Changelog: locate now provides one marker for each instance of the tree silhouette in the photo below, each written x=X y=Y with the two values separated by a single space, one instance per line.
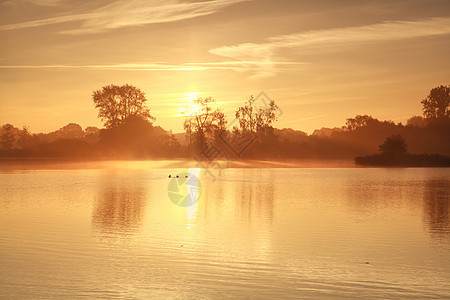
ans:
x=360 y=121
x=437 y=103
x=416 y=121
x=253 y=119
x=25 y=138
x=266 y=116
x=118 y=103
x=204 y=122
x=70 y=131
x=394 y=145
x=246 y=116
x=8 y=136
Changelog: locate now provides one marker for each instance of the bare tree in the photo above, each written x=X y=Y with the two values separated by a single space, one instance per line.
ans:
x=203 y=123
x=252 y=119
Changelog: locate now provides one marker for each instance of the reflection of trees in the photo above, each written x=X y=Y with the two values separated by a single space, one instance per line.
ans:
x=256 y=200
x=119 y=206
x=436 y=205
x=253 y=200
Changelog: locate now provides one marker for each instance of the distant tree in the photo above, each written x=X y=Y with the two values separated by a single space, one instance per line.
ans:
x=118 y=103
x=70 y=131
x=247 y=116
x=91 y=130
x=394 y=145
x=266 y=117
x=135 y=138
x=437 y=103
x=173 y=141
x=204 y=122
x=416 y=121
x=8 y=136
x=173 y=146
x=25 y=138
x=253 y=119
x=360 y=121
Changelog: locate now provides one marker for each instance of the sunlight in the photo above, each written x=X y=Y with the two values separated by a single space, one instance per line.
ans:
x=189 y=107
x=194 y=194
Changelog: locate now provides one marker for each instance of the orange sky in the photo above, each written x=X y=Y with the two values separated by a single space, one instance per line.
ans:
x=321 y=61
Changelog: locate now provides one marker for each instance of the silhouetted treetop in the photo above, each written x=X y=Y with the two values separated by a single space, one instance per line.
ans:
x=202 y=123
x=360 y=121
x=8 y=136
x=437 y=103
x=70 y=131
x=253 y=119
x=118 y=103
x=416 y=121
x=394 y=144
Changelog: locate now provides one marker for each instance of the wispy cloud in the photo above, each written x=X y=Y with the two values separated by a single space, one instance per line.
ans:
x=34 y=2
x=239 y=66
x=123 y=67
x=124 y=13
x=331 y=40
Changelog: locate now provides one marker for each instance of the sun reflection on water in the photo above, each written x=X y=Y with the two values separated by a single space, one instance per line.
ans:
x=195 y=193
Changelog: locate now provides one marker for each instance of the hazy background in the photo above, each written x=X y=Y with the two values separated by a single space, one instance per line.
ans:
x=322 y=61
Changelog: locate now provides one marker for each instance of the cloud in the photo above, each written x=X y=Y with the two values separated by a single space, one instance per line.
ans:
x=46 y=2
x=239 y=66
x=43 y=22
x=33 y=2
x=333 y=39
x=124 y=67
x=125 y=13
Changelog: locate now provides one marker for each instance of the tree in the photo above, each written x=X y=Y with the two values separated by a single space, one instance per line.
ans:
x=91 y=130
x=118 y=103
x=172 y=145
x=394 y=145
x=204 y=122
x=70 y=131
x=437 y=103
x=8 y=136
x=360 y=121
x=247 y=116
x=416 y=121
x=135 y=138
x=253 y=119
x=25 y=138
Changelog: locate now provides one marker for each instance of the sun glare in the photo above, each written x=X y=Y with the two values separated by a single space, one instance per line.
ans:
x=189 y=107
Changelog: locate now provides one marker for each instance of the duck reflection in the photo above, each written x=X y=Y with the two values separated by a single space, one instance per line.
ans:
x=119 y=206
x=436 y=206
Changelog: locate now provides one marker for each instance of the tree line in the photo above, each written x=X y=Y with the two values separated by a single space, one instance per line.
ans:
x=129 y=132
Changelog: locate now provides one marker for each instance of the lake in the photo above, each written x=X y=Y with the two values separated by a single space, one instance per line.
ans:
x=114 y=231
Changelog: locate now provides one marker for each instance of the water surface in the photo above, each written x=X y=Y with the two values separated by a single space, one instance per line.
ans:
x=112 y=232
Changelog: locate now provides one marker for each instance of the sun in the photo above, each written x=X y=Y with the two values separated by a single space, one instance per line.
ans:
x=189 y=107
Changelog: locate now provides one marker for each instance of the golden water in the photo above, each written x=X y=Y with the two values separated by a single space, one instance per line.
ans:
x=112 y=232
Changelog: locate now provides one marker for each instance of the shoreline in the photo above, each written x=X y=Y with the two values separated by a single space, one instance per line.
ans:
x=57 y=163
x=11 y=164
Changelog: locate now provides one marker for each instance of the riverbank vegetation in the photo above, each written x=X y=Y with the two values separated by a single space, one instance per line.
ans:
x=129 y=133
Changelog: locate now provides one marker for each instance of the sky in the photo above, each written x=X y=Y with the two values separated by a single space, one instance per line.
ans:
x=321 y=61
